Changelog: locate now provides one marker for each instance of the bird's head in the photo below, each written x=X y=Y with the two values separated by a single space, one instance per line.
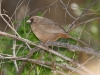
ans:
x=34 y=19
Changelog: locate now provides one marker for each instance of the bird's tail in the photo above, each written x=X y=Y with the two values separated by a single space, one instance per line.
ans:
x=78 y=40
x=64 y=35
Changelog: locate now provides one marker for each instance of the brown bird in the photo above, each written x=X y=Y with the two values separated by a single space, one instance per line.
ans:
x=46 y=29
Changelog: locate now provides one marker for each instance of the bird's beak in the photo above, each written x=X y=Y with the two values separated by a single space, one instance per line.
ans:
x=28 y=21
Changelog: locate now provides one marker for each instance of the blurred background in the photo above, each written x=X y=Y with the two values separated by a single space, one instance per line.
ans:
x=55 y=10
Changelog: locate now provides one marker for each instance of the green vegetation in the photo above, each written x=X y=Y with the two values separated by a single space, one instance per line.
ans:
x=24 y=31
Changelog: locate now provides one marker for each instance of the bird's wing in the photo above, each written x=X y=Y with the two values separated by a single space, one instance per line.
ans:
x=50 y=26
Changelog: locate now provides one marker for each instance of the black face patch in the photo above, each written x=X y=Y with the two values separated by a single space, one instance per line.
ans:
x=31 y=20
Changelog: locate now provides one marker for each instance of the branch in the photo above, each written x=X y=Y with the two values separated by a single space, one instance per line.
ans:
x=74 y=48
x=66 y=9
x=51 y=5
x=73 y=23
x=47 y=49
x=14 y=54
x=83 y=23
x=28 y=56
x=44 y=63
x=31 y=43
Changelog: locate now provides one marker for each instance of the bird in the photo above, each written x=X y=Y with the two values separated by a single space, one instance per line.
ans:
x=46 y=29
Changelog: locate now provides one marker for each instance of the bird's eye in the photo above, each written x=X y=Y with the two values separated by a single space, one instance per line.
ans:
x=31 y=20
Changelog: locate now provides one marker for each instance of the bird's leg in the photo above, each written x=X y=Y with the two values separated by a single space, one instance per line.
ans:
x=45 y=43
x=42 y=43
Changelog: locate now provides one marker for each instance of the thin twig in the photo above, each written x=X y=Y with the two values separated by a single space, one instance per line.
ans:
x=44 y=63
x=47 y=49
x=66 y=9
x=51 y=5
x=17 y=7
x=73 y=23
x=28 y=56
x=14 y=54
x=40 y=57
x=87 y=21
x=11 y=26
x=13 y=29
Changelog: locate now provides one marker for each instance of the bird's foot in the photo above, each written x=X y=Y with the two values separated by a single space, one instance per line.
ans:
x=45 y=43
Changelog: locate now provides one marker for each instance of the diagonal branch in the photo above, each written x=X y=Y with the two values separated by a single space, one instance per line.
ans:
x=73 y=23
x=83 y=23
x=74 y=48
x=44 y=63
x=28 y=56
x=47 y=49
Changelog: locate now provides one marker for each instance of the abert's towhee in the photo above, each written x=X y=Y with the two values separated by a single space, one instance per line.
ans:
x=46 y=29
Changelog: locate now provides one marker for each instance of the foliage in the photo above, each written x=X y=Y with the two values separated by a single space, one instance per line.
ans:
x=24 y=31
